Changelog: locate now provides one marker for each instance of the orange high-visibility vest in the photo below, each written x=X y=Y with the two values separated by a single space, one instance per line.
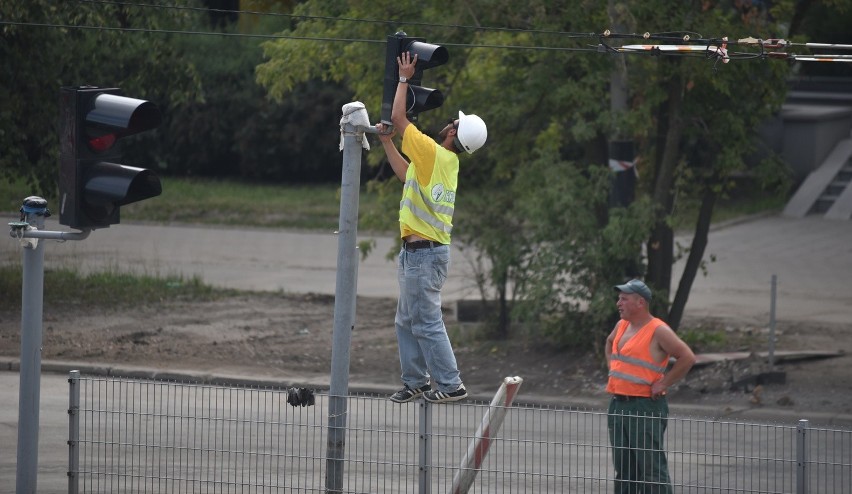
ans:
x=632 y=370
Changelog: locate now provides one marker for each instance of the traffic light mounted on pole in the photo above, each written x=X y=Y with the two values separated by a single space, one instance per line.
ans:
x=93 y=183
x=419 y=98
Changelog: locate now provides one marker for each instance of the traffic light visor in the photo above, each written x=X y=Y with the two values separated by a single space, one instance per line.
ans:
x=420 y=99
x=111 y=183
x=121 y=115
x=428 y=55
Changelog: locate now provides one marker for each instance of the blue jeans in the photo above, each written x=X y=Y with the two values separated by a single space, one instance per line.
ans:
x=424 y=347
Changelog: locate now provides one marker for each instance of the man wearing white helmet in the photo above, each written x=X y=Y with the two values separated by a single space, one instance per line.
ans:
x=425 y=221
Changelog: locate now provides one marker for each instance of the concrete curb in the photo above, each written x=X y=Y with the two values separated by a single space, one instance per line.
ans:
x=746 y=414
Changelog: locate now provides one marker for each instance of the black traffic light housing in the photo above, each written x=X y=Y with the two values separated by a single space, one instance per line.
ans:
x=419 y=98
x=93 y=183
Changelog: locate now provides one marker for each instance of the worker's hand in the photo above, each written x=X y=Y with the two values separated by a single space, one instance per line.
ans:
x=406 y=64
x=658 y=389
x=386 y=132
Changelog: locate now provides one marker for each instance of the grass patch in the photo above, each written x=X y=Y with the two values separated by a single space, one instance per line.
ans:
x=223 y=202
x=12 y=194
x=66 y=287
x=312 y=207
x=317 y=206
x=705 y=340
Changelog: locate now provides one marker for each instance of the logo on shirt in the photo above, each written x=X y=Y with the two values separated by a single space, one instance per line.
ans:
x=439 y=194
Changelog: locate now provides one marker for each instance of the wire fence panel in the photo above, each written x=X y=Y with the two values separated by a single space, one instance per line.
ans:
x=144 y=436
x=149 y=436
x=828 y=460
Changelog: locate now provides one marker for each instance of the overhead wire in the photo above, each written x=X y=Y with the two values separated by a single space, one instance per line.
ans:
x=346 y=19
x=280 y=36
x=688 y=46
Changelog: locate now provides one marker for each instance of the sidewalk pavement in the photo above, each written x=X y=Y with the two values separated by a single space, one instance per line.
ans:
x=811 y=257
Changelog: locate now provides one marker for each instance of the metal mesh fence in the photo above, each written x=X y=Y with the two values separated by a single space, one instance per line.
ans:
x=129 y=435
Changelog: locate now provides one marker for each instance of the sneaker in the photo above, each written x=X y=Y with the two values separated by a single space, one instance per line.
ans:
x=442 y=397
x=407 y=394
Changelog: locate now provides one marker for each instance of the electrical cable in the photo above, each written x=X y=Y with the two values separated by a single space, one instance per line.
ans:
x=711 y=47
x=346 y=19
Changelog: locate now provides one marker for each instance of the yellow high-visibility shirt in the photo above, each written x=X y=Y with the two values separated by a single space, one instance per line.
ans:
x=429 y=194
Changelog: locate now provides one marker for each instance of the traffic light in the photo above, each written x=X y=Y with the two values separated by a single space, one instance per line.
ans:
x=419 y=98
x=93 y=183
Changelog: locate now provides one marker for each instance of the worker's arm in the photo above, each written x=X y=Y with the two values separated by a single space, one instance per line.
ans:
x=397 y=162
x=406 y=69
x=609 y=341
x=672 y=345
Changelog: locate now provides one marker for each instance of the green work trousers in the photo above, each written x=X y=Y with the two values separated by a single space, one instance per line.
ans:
x=636 y=427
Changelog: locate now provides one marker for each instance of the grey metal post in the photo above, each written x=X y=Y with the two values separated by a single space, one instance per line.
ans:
x=33 y=212
x=424 y=474
x=772 y=298
x=28 y=231
x=73 y=432
x=802 y=457
x=344 y=305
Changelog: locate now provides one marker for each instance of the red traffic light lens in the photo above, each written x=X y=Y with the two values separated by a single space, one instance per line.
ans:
x=101 y=143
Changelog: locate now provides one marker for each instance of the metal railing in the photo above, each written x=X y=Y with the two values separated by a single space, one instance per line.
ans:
x=130 y=435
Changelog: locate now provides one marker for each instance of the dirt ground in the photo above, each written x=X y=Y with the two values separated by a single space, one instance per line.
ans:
x=289 y=337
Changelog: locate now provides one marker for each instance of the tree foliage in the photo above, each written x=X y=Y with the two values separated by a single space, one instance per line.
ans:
x=195 y=64
x=546 y=237
x=236 y=130
x=549 y=246
x=45 y=52
x=704 y=132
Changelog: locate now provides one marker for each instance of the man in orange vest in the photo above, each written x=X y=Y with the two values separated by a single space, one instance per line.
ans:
x=638 y=351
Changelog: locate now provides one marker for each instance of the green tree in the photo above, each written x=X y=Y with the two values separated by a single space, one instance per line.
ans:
x=544 y=231
x=46 y=44
x=511 y=89
x=236 y=131
x=704 y=128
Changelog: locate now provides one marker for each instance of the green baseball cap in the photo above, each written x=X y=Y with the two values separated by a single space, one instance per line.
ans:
x=635 y=286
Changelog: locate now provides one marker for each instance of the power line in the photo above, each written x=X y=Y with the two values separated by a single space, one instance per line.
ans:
x=345 y=19
x=279 y=36
x=676 y=36
x=601 y=47
x=196 y=33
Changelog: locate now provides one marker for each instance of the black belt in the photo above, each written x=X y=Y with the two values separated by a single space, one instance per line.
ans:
x=420 y=244
x=628 y=398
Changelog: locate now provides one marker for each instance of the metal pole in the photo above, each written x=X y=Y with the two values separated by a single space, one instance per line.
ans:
x=772 y=298
x=74 y=432
x=33 y=212
x=424 y=474
x=801 y=457
x=344 y=305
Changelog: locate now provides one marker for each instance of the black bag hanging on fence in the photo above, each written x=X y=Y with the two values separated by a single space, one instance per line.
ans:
x=300 y=397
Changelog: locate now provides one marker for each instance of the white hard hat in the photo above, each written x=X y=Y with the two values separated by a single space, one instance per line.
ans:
x=471 y=133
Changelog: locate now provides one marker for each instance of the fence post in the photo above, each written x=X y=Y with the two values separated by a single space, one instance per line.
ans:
x=74 y=432
x=802 y=457
x=772 y=321
x=425 y=448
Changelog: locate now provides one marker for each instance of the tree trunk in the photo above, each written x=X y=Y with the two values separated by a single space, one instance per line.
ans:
x=693 y=261
x=661 y=243
x=501 y=281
